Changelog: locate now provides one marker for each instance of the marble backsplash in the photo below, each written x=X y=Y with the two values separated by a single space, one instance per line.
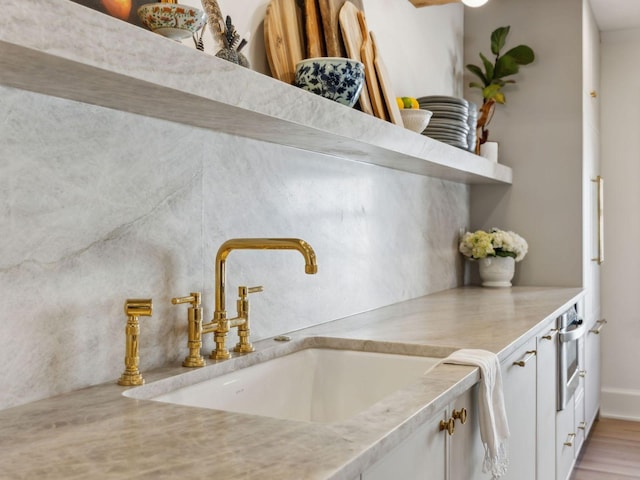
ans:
x=97 y=206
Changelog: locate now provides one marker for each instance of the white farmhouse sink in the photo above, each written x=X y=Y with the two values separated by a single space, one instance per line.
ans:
x=313 y=384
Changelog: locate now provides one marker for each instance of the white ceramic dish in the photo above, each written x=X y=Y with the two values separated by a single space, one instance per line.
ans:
x=416 y=120
x=171 y=20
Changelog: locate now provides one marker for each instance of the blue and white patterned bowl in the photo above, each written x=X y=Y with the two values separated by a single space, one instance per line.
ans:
x=335 y=78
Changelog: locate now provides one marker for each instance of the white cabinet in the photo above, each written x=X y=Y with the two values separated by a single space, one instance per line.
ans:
x=421 y=456
x=546 y=383
x=430 y=453
x=592 y=371
x=579 y=425
x=565 y=441
x=466 y=452
x=571 y=423
x=544 y=443
x=519 y=379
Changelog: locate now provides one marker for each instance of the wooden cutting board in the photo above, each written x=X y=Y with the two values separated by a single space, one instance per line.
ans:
x=371 y=78
x=352 y=36
x=283 y=38
x=313 y=29
x=385 y=86
x=329 y=11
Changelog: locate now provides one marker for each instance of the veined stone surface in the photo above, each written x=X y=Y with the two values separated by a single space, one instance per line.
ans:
x=100 y=205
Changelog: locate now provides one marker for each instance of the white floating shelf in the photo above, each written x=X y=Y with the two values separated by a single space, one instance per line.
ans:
x=60 y=48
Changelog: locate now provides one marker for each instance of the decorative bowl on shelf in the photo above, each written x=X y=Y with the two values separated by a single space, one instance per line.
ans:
x=336 y=78
x=415 y=119
x=172 y=20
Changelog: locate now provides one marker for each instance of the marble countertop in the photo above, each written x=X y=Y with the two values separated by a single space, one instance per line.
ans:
x=98 y=433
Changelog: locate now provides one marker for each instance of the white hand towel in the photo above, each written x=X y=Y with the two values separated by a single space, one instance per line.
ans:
x=494 y=428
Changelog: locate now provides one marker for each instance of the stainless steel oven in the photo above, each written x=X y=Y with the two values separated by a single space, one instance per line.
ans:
x=570 y=329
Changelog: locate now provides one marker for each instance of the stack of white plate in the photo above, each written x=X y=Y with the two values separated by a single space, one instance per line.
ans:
x=472 y=121
x=450 y=120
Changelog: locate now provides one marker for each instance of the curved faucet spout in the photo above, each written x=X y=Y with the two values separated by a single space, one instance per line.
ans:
x=255 y=244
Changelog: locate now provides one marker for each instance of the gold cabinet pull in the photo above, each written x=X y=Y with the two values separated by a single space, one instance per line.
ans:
x=448 y=425
x=582 y=373
x=601 y=323
x=570 y=438
x=552 y=333
x=582 y=426
x=529 y=355
x=133 y=309
x=600 y=222
x=460 y=415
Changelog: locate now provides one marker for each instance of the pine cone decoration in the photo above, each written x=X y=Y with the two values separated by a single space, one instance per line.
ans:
x=231 y=39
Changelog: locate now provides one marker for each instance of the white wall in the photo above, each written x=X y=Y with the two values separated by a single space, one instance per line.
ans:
x=413 y=40
x=98 y=206
x=620 y=77
x=540 y=135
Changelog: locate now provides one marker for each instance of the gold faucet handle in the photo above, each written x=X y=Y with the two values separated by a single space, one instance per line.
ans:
x=194 y=321
x=243 y=291
x=244 y=345
x=194 y=299
x=138 y=307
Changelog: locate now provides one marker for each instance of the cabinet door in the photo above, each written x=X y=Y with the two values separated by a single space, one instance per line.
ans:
x=546 y=380
x=592 y=368
x=519 y=381
x=579 y=425
x=565 y=441
x=421 y=456
x=466 y=452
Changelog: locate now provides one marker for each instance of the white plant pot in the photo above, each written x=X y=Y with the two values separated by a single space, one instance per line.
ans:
x=496 y=271
x=489 y=150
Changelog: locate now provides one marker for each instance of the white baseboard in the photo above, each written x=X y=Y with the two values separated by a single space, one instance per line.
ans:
x=620 y=403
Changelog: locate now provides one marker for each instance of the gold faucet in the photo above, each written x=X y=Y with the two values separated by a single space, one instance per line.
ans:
x=220 y=324
x=134 y=308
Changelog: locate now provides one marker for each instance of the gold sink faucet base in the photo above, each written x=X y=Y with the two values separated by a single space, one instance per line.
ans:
x=244 y=345
x=194 y=319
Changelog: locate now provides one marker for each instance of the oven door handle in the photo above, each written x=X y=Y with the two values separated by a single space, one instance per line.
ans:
x=571 y=335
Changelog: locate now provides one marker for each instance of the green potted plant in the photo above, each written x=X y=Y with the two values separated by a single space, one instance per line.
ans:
x=493 y=77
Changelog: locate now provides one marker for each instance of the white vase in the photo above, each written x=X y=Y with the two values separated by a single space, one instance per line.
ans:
x=496 y=271
x=489 y=150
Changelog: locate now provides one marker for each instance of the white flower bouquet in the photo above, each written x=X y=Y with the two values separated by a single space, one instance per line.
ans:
x=496 y=243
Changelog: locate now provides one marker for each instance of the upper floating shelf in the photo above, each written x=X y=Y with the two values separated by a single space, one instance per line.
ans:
x=429 y=3
x=60 y=48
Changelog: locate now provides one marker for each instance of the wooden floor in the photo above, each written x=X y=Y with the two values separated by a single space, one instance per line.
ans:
x=612 y=452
